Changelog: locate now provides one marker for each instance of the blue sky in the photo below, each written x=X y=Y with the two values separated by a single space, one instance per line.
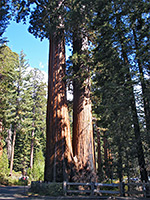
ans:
x=36 y=51
x=20 y=39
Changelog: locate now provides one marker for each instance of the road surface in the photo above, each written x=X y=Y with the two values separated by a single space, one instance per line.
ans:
x=21 y=192
x=13 y=192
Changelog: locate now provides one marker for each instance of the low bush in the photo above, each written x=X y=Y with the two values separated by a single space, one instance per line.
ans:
x=50 y=189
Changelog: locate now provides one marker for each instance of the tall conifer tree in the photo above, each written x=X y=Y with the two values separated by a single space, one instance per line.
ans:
x=46 y=20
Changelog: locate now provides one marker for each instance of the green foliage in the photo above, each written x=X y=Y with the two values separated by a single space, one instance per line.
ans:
x=115 y=74
x=4 y=164
x=38 y=166
x=119 y=32
x=23 y=108
x=4 y=18
x=8 y=63
x=5 y=179
x=22 y=152
x=51 y=189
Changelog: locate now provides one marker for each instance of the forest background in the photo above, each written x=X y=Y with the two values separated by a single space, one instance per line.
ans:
x=113 y=42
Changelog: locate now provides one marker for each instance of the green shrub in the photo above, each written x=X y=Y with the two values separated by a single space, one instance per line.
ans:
x=37 y=173
x=50 y=189
x=4 y=169
x=4 y=164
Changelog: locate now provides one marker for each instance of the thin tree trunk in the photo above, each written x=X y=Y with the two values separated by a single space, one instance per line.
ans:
x=107 y=157
x=59 y=157
x=140 y=152
x=99 y=160
x=120 y=175
x=32 y=150
x=12 y=151
x=82 y=117
x=8 y=140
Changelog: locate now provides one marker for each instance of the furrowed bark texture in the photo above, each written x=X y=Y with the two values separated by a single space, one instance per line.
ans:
x=58 y=143
x=82 y=118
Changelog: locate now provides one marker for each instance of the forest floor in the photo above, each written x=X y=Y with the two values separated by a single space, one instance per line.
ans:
x=21 y=192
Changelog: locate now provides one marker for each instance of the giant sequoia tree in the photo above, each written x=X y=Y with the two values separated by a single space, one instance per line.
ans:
x=119 y=32
x=46 y=20
x=82 y=110
x=58 y=143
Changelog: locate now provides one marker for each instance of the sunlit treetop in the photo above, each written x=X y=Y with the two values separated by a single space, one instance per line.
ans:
x=45 y=17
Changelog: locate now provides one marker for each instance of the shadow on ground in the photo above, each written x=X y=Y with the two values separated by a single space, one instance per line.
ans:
x=21 y=192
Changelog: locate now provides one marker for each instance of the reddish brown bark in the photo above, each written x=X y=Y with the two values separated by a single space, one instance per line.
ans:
x=83 y=148
x=107 y=157
x=58 y=143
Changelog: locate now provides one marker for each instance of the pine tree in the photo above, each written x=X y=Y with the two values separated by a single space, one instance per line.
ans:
x=137 y=131
x=16 y=114
x=38 y=114
x=8 y=62
x=114 y=36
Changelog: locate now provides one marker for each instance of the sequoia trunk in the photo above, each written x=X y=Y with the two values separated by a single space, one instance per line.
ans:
x=58 y=142
x=82 y=115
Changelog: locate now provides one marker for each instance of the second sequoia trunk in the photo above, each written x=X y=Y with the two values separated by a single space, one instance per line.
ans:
x=82 y=114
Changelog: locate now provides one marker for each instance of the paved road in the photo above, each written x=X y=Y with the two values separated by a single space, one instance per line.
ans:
x=13 y=192
x=20 y=192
